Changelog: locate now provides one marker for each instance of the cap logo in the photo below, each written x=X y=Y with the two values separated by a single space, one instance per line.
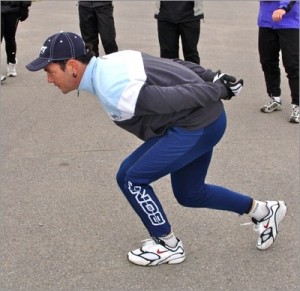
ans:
x=43 y=49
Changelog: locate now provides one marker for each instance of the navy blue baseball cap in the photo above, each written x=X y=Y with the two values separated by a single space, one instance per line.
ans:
x=59 y=46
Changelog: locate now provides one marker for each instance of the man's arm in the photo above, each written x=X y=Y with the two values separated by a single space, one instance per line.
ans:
x=205 y=74
x=172 y=99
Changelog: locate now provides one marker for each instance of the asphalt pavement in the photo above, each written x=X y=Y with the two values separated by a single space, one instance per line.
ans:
x=64 y=223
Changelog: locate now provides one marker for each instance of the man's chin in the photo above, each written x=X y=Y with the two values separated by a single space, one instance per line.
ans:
x=64 y=91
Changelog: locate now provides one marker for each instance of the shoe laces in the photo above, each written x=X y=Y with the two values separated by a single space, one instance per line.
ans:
x=271 y=102
x=256 y=227
x=148 y=242
x=11 y=69
x=295 y=110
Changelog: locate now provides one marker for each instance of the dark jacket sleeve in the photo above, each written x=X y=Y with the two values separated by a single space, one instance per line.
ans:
x=24 y=10
x=26 y=3
x=165 y=100
x=288 y=7
x=205 y=74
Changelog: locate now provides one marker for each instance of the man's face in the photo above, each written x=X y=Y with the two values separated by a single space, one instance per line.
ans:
x=64 y=80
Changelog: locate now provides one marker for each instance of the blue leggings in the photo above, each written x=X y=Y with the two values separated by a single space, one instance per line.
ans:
x=185 y=155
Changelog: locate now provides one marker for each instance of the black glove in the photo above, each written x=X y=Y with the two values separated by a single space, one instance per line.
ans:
x=24 y=12
x=233 y=87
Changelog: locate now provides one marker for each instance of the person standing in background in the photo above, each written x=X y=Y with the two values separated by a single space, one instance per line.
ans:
x=11 y=13
x=96 y=17
x=278 y=23
x=179 y=19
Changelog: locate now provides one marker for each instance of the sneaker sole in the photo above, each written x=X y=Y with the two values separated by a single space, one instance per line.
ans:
x=172 y=260
x=293 y=121
x=280 y=215
x=264 y=110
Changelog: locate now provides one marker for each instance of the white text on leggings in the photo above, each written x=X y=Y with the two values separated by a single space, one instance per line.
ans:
x=147 y=204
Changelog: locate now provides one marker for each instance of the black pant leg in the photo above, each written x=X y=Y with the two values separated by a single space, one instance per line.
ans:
x=9 y=25
x=190 y=34
x=268 y=47
x=88 y=27
x=168 y=37
x=289 y=43
x=106 y=27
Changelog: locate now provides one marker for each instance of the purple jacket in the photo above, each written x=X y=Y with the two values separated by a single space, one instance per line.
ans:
x=289 y=20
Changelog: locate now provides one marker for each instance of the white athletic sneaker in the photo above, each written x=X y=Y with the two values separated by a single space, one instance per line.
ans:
x=2 y=78
x=295 y=114
x=11 y=70
x=272 y=106
x=156 y=252
x=267 y=227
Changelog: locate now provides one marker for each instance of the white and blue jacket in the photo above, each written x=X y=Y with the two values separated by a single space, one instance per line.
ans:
x=145 y=95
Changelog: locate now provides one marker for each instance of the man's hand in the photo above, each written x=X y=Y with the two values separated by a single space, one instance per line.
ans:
x=233 y=87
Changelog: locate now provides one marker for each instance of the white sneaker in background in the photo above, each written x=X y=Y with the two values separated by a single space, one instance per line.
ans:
x=295 y=114
x=272 y=106
x=3 y=78
x=11 y=70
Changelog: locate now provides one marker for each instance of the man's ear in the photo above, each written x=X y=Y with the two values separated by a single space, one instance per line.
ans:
x=72 y=66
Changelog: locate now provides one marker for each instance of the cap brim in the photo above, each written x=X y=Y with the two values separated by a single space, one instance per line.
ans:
x=37 y=64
